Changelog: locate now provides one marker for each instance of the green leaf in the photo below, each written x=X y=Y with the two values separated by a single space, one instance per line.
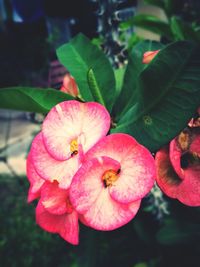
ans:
x=135 y=66
x=94 y=87
x=150 y=23
x=119 y=78
x=178 y=232
x=81 y=58
x=182 y=30
x=177 y=28
x=31 y=99
x=167 y=96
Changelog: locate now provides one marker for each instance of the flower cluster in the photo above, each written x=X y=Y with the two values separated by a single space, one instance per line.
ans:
x=79 y=173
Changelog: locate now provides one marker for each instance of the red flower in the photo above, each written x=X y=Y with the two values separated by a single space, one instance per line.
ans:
x=178 y=168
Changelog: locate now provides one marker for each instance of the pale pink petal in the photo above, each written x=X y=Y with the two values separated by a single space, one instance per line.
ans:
x=54 y=199
x=51 y=169
x=175 y=154
x=73 y=120
x=137 y=174
x=87 y=184
x=106 y=214
x=186 y=191
x=35 y=180
x=66 y=225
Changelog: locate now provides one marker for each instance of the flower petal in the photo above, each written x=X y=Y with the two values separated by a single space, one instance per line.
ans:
x=51 y=169
x=186 y=191
x=35 y=180
x=175 y=154
x=66 y=225
x=106 y=214
x=87 y=184
x=137 y=174
x=54 y=199
x=70 y=120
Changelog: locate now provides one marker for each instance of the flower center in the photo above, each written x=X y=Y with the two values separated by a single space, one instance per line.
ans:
x=189 y=159
x=184 y=141
x=69 y=206
x=109 y=177
x=74 y=147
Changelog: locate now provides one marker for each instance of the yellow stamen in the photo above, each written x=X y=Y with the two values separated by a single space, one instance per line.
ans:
x=74 y=147
x=110 y=176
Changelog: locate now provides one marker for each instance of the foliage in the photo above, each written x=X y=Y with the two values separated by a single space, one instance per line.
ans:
x=154 y=103
x=174 y=28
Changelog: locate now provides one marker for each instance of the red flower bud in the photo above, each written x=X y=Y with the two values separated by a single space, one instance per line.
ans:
x=69 y=86
x=148 y=56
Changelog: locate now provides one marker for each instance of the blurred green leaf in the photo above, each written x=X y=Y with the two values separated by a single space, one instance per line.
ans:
x=177 y=28
x=80 y=56
x=182 y=30
x=134 y=68
x=31 y=99
x=166 y=5
x=150 y=23
x=178 y=232
x=166 y=97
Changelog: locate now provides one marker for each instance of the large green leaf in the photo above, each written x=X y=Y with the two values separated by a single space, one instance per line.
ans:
x=91 y=69
x=31 y=99
x=135 y=66
x=168 y=93
x=150 y=23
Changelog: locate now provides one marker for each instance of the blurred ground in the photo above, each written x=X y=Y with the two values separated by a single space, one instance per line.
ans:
x=16 y=134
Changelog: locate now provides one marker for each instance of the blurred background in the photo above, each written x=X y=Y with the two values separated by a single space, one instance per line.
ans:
x=164 y=232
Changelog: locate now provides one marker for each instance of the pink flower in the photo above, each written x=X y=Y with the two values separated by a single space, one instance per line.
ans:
x=70 y=129
x=55 y=214
x=69 y=86
x=149 y=56
x=178 y=168
x=116 y=174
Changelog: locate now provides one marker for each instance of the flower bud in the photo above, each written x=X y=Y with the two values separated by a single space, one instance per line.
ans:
x=69 y=86
x=148 y=56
